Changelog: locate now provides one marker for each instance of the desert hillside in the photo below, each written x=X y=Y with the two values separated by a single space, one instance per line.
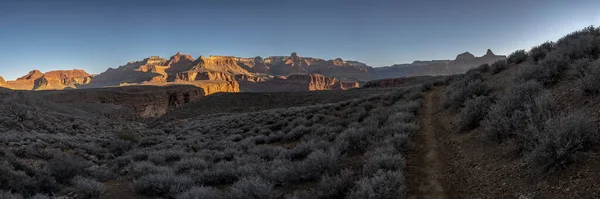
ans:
x=526 y=127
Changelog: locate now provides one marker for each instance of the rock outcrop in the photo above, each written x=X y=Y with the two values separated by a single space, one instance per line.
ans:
x=53 y=80
x=308 y=82
x=211 y=87
x=249 y=74
x=2 y=82
x=146 y=101
x=461 y=64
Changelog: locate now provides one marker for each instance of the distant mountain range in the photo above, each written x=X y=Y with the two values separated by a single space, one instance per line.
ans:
x=229 y=73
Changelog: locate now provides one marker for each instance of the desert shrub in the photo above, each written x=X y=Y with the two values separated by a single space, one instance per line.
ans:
x=392 y=128
x=498 y=66
x=87 y=188
x=458 y=92
x=296 y=133
x=474 y=111
x=144 y=168
x=200 y=193
x=579 y=68
x=127 y=135
x=319 y=162
x=220 y=173
x=401 y=142
x=38 y=196
x=357 y=139
x=508 y=114
x=403 y=117
x=9 y=195
x=517 y=57
x=336 y=186
x=409 y=107
x=188 y=164
x=165 y=156
x=64 y=168
x=15 y=181
x=251 y=188
x=100 y=173
x=548 y=71
x=580 y=44
x=589 y=84
x=378 y=160
x=538 y=53
x=381 y=185
x=162 y=184
x=560 y=140
x=119 y=147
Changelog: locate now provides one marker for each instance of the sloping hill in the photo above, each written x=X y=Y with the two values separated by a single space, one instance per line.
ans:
x=525 y=128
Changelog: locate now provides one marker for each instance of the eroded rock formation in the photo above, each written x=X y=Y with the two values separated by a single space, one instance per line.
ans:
x=461 y=64
x=307 y=82
x=146 y=101
x=53 y=80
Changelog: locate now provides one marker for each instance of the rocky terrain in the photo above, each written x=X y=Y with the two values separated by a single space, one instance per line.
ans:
x=145 y=101
x=53 y=80
x=271 y=74
x=461 y=64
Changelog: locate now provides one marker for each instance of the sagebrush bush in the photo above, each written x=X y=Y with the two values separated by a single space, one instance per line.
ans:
x=163 y=184
x=517 y=57
x=337 y=186
x=458 y=92
x=252 y=188
x=560 y=140
x=508 y=114
x=9 y=195
x=88 y=188
x=589 y=83
x=474 y=111
x=538 y=53
x=201 y=193
x=38 y=196
x=188 y=164
x=377 y=160
x=498 y=66
x=357 y=139
x=319 y=162
x=144 y=168
x=548 y=71
x=580 y=44
x=64 y=168
x=381 y=185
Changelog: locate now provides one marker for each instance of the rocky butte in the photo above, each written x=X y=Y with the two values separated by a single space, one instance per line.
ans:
x=460 y=64
x=234 y=74
x=53 y=80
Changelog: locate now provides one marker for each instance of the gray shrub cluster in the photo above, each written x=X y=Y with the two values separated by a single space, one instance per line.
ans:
x=526 y=113
x=333 y=150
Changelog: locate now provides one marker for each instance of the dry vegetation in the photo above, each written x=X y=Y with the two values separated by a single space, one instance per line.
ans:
x=349 y=149
x=525 y=110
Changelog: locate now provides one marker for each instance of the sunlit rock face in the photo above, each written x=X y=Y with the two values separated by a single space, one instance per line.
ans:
x=53 y=80
x=299 y=82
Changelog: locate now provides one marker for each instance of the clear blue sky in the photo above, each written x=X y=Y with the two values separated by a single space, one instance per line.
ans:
x=95 y=35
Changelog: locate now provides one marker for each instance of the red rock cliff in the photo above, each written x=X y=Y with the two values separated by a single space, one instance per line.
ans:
x=53 y=80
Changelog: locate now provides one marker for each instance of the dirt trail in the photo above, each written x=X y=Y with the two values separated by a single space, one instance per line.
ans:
x=425 y=168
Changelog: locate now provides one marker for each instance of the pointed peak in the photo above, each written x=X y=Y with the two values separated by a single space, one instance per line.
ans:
x=489 y=53
x=294 y=54
x=465 y=55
